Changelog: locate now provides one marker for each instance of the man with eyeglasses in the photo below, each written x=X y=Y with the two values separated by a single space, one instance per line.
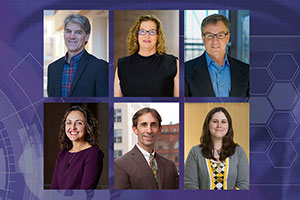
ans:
x=214 y=73
x=78 y=73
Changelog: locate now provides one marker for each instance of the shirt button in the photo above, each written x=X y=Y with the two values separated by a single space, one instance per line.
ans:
x=220 y=84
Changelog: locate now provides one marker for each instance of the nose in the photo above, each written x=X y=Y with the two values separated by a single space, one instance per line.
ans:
x=72 y=35
x=219 y=124
x=148 y=129
x=74 y=126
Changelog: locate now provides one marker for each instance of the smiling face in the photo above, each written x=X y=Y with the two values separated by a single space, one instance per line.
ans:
x=218 y=125
x=75 y=126
x=216 y=48
x=147 y=42
x=147 y=131
x=75 y=38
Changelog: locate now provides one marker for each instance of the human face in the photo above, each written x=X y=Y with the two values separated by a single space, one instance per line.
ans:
x=75 y=38
x=147 y=131
x=75 y=126
x=218 y=125
x=148 y=42
x=216 y=48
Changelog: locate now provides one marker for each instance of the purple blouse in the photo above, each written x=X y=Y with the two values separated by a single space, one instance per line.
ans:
x=80 y=170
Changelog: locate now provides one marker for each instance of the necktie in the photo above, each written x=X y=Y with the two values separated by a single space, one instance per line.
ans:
x=154 y=169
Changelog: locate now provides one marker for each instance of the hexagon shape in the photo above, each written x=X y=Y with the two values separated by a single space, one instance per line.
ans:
x=263 y=81
x=297 y=82
x=260 y=110
x=296 y=111
x=283 y=125
x=260 y=139
x=283 y=96
x=282 y=154
x=286 y=62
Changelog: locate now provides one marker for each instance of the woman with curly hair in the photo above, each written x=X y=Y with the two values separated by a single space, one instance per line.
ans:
x=217 y=163
x=148 y=71
x=80 y=161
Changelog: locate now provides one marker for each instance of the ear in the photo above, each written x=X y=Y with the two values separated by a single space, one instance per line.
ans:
x=87 y=37
x=134 y=129
x=228 y=38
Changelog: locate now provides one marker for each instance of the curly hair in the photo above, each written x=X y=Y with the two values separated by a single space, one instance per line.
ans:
x=92 y=135
x=228 y=145
x=132 y=38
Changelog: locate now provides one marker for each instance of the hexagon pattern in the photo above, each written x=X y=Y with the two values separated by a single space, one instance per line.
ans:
x=282 y=154
x=260 y=139
x=283 y=96
x=297 y=82
x=257 y=104
x=286 y=62
x=263 y=81
x=283 y=125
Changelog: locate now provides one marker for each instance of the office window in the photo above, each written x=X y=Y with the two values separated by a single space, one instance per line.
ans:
x=176 y=145
x=162 y=145
x=117 y=153
x=176 y=157
x=118 y=115
x=118 y=136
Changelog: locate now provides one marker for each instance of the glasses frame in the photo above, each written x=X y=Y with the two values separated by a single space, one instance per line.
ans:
x=139 y=32
x=215 y=35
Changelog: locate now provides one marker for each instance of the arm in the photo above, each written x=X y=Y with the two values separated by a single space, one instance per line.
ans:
x=191 y=177
x=121 y=178
x=102 y=80
x=242 y=181
x=117 y=88
x=176 y=81
x=54 y=182
x=176 y=177
x=92 y=170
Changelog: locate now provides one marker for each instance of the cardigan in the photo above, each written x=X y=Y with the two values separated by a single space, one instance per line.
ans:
x=196 y=174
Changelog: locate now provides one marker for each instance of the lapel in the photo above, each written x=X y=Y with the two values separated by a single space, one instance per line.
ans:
x=235 y=78
x=202 y=78
x=59 y=75
x=81 y=67
x=143 y=166
x=161 y=169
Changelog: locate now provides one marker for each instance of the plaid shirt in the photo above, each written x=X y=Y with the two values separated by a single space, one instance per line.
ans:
x=69 y=72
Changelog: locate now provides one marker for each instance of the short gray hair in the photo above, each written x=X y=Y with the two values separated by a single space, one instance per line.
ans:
x=214 y=19
x=79 y=19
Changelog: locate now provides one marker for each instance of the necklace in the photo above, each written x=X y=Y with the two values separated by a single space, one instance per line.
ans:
x=218 y=151
x=69 y=163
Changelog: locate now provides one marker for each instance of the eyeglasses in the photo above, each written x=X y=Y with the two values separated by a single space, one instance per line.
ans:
x=150 y=32
x=211 y=36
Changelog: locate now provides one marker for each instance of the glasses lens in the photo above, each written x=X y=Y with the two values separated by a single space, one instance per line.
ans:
x=209 y=36
x=221 y=35
x=152 y=32
x=142 y=32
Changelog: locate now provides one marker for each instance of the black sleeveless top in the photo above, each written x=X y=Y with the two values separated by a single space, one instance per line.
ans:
x=151 y=76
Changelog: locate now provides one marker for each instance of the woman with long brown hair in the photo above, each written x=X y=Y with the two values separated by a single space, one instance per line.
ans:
x=217 y=163
x=80 y=161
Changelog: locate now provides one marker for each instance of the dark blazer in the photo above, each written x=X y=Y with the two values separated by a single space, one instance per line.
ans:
x=90 y=80
x=131 y=171
x=198 y=82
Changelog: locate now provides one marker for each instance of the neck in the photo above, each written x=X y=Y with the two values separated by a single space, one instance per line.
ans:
x=147 y=52
x=149 y=149
x=217 y=144
x=71 y=54
x=219 y=59
x=79 y=146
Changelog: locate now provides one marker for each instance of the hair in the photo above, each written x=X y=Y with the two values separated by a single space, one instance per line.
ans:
x=79 y=19
x=132 y=38
x=214 y=19
x=228 y=145
x=92 y=133
x=143 y=111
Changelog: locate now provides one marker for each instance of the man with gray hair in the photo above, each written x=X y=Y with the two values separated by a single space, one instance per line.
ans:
x=214 y=73
x=78 y=73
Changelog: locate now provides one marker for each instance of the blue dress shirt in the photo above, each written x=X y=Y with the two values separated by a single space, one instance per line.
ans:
x=220 y=76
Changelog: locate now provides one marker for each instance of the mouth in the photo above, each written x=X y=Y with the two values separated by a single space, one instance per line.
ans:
x=146 y=41
x=73 y=133
x=148 y=137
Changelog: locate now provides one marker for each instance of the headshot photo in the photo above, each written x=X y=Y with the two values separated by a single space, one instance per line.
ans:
x=76 y=146
x=146 y=146
x=216 y=146
x=76 y=53
x=216 y=53
x=146 y=53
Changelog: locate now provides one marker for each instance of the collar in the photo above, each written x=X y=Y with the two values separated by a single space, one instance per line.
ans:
x=145 y=153
x=75 y=58
x=209 y=60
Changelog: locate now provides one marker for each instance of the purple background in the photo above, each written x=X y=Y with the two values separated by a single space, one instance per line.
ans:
x=274 y=101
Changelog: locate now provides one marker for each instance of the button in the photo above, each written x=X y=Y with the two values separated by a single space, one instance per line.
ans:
x=220 y=84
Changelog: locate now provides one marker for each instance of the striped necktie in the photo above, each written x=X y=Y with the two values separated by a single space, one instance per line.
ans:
x=154 y=169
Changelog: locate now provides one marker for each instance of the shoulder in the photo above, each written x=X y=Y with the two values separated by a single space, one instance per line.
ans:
x=169 y=56
x=124 y=158
x=93 y=152
x=125 y=59
x=62 y=153
x=236 y=62
x=56 y=62
x=94 y=59
x=239 y=151
x=164 y=159
x=189 y=65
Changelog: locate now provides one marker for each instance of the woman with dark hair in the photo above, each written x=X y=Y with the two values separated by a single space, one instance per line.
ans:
x=148 y=71
x=80 y=161
x=217 y=163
